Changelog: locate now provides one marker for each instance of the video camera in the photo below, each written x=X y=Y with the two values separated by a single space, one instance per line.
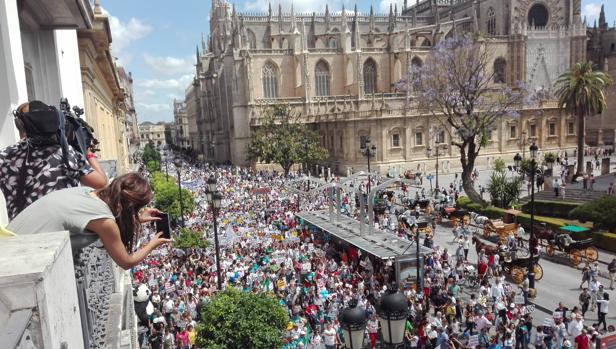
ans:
x=79 y=134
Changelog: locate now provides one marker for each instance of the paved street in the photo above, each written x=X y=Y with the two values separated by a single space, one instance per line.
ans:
x=560 y=281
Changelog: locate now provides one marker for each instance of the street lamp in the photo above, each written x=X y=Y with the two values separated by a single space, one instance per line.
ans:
x=392 y=311
x=353 y=323
x=517 y=161
x=166 y=153
x=369 y=152
x=429 y=153
x=214 y=198
x=533 y=170
x=178 y=167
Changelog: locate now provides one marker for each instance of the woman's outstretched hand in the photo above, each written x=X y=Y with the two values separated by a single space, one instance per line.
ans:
x=158 y=240
x=149 y=214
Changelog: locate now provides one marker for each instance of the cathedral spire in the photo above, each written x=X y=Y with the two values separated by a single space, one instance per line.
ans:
x=202 y=42
x=198 y=55
x=345 y=28
x=269 y=10
x=391 y=18
x=327 y=17
x=371 y=18
x=293 y=27
x=279 y=17
x=602 y=21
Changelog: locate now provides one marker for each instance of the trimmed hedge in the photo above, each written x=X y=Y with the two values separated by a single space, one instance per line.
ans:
x=523 y=218
x=551 y=208
x=605 y=240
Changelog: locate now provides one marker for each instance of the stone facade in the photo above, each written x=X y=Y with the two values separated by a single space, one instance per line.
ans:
x=181 y=136
x=104 y=100
x=155 y=133
x=131 y=132
x=339 y=69
x=602 y=52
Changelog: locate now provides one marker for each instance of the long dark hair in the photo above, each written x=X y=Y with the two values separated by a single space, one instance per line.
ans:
x=125 y=196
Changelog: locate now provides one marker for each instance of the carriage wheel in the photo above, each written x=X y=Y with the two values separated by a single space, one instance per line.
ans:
x=549 y=250
x=575 y=257
x=591 y=254
x=486 y=232
x=517 y=274
x=538 y=272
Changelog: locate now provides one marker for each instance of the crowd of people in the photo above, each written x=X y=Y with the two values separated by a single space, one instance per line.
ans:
x=314 y=276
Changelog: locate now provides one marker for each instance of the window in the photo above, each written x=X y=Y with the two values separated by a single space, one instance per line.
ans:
x=489 y=134
x=552 y=129
x=418 y=138
x=321 y=77
x=500 y=66
x=533 y=130
x=270 y=80
x=252 y=39
x=29 y=82
x=613 y=47
x=440 y=138
x=362 y=142
x=513 y=131
x=395 y=140
x=333 y=43
x=570 y=128
x=538 y=16
x=491 y=21
x=426 y=43
x=369 y=76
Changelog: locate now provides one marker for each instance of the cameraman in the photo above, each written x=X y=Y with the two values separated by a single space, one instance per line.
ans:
x=31 y=169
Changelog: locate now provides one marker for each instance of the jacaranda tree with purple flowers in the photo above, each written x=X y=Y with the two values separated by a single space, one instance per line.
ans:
x=456 y=85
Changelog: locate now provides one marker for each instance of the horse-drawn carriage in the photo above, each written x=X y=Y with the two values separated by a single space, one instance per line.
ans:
x=510 y=262
x=421 y=226
x=453 y=214
x=500 y=228
x=517 y=268
x=577 y=250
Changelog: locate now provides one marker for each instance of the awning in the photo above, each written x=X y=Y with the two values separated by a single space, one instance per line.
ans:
x=574 y=228
x=379 y=243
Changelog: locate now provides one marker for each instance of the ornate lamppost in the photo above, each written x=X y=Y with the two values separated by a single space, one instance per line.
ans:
x=533 y=170
x=392 y=312
x=369 y=152
x=353 y=323
x=178 y=167
x=215 y=199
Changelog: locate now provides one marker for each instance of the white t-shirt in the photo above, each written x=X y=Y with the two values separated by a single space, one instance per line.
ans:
x=329 y=336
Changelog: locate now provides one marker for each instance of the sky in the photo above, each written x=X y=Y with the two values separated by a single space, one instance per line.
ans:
x=156 y=40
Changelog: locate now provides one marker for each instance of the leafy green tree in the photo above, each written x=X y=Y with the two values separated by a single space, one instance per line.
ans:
x=456 y=86
x=601 y=212
x=504 y=191
x=167 y=196
x=283 y=139
x=235 y=319
x=581 y=92
x=188 y=238
x=150 y=154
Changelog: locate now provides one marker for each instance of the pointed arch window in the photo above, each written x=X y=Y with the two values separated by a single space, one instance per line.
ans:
x=370 y=76
x=270 y=80
x=321 y=77
x=252 y=39
x=491 y=21
x=500 y=66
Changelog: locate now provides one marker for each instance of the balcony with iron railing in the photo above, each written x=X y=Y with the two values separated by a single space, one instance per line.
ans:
x=50 y=300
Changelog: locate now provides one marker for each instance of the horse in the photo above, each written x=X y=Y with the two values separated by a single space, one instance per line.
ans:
x=489 y=249
x=479 y=219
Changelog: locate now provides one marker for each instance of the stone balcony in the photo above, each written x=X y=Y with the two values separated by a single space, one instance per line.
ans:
x=46 y=297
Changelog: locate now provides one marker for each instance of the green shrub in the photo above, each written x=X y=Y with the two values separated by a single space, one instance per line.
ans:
x=551 y=208
x=601 y=212
x=605 y=240
x=474 y=207
x=463 y=202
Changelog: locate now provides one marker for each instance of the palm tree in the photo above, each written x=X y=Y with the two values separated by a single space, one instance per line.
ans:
x=580 y=91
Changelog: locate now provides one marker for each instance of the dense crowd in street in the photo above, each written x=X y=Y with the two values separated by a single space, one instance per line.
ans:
x=263 y=249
